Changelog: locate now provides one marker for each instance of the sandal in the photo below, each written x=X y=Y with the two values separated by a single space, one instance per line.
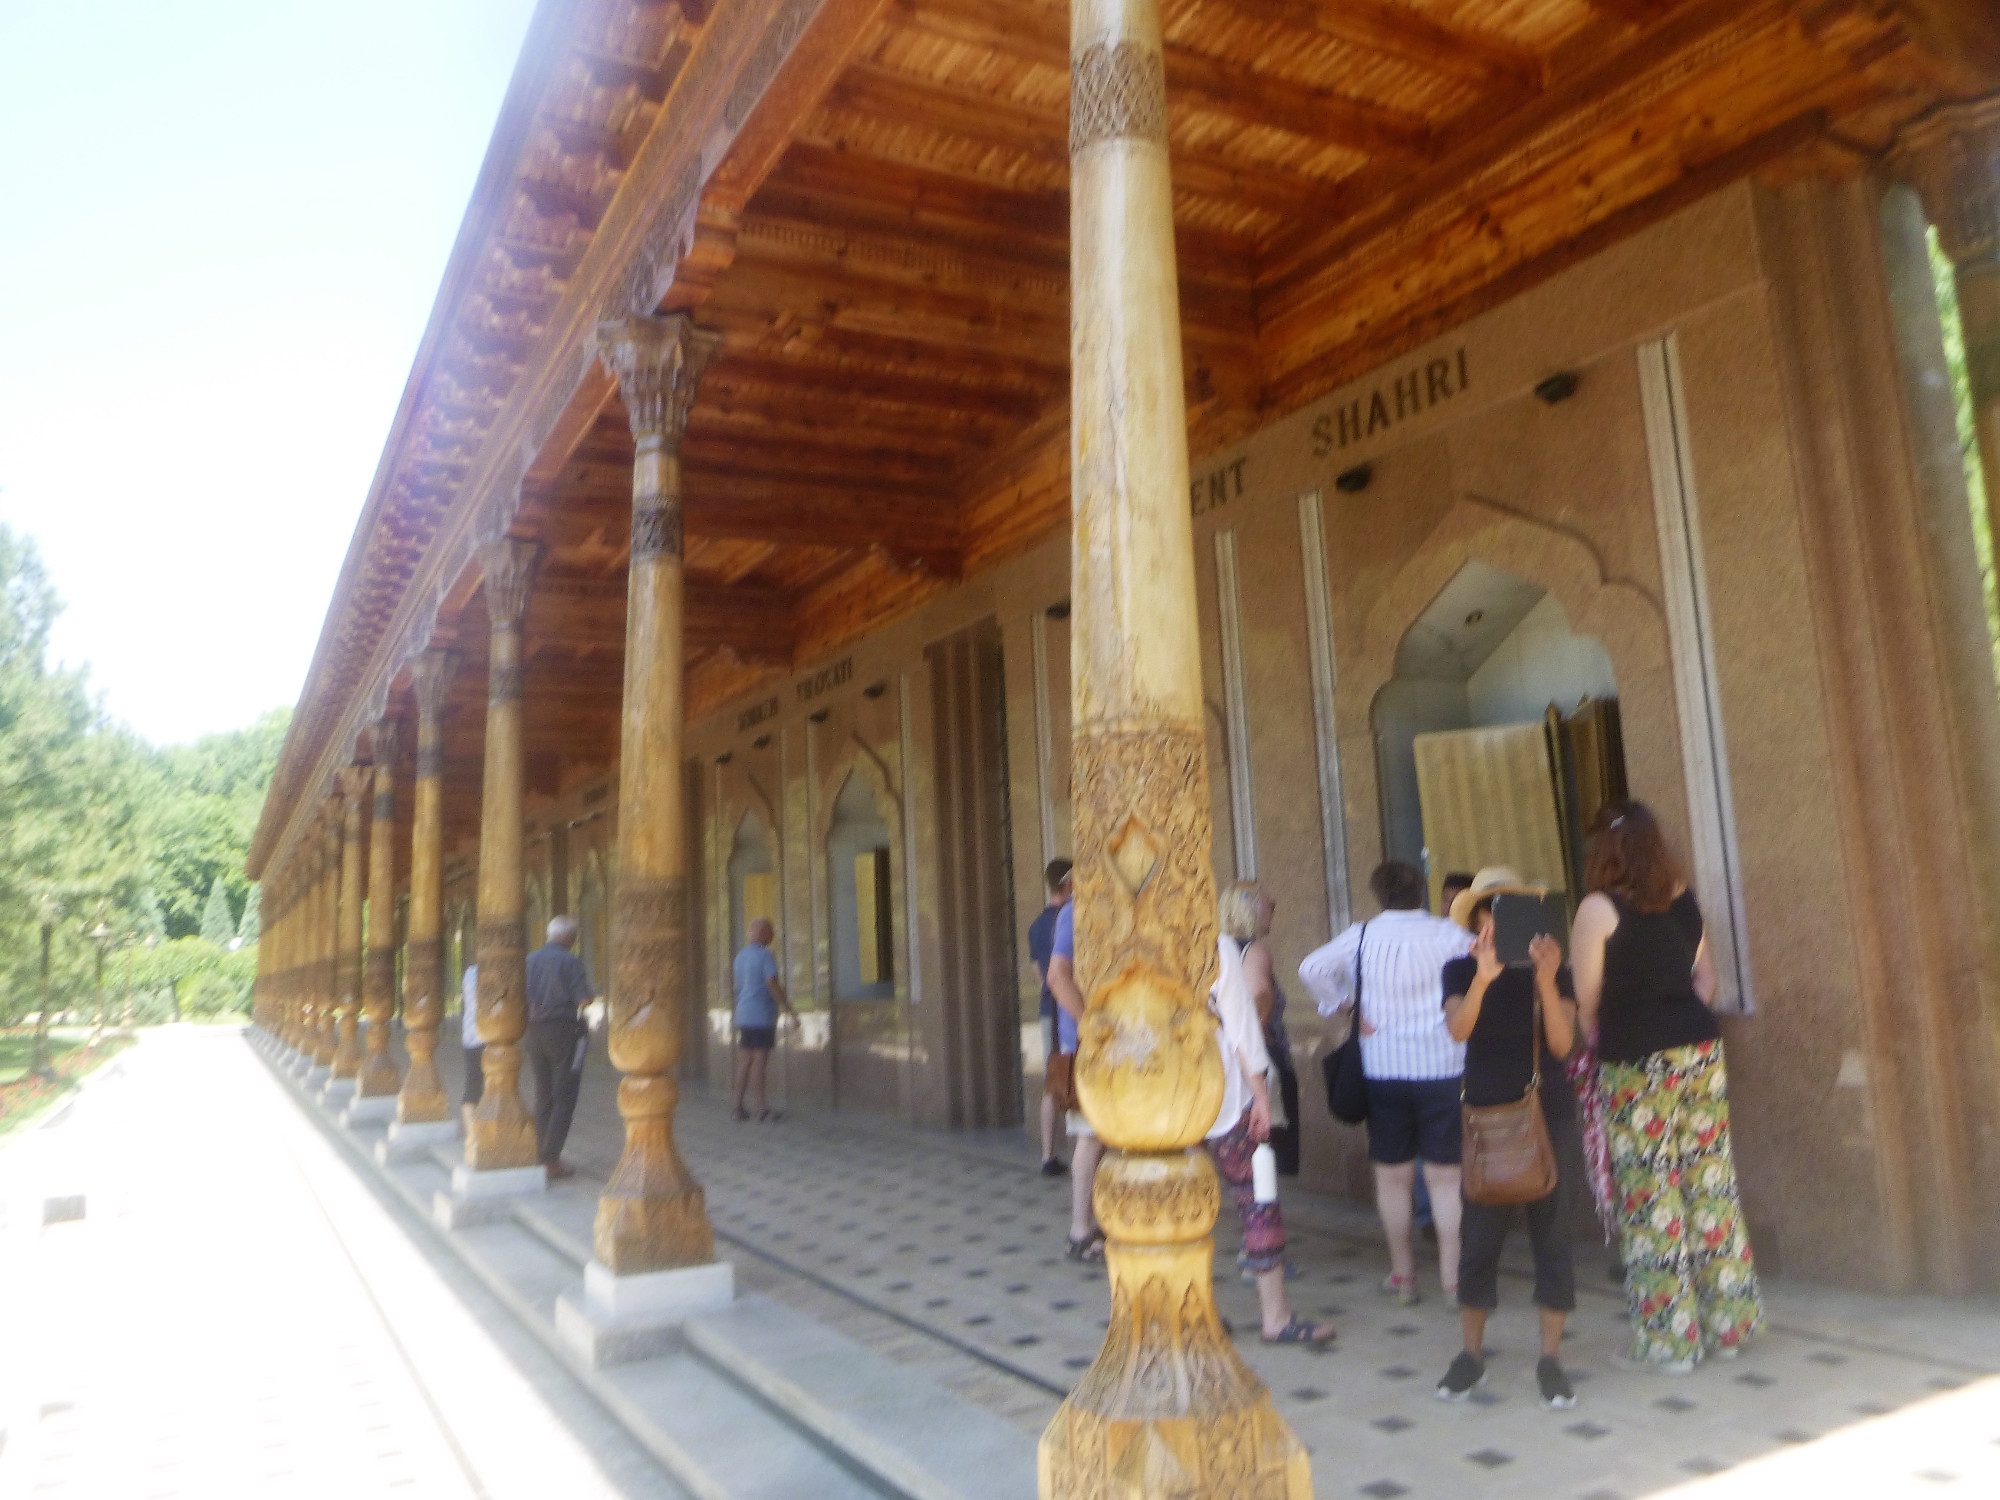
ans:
x=770 y=1117
x=1299 y=1331
x=1089 y=1248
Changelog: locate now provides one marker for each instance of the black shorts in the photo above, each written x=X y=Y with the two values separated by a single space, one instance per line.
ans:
x=475 y=1074
x=756 y=1038
x=1412 y=1117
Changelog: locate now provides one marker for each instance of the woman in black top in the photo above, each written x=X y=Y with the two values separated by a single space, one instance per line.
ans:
x=1492 y=1007
x=1644 y=979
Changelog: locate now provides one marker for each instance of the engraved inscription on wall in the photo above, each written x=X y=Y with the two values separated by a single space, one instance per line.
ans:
x=1216 y=488
x=756 y=714
x=1397 y=399
x=825 y=680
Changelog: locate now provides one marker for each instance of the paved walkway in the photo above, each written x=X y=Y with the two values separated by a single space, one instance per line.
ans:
x=239 y=1312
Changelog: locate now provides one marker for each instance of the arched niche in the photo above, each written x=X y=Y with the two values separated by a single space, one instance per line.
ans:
x=591 y=914
x=1577 y=629
x=536 y=914
x=859 y=845
x=752 y=872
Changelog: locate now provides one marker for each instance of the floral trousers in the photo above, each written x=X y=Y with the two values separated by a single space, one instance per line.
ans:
x=1689 y=1281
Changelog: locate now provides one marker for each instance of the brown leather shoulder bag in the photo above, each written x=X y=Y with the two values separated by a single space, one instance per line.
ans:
x=1507 y=1155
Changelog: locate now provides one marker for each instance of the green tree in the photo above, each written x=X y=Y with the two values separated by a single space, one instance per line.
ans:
x=218 y=922
x=1943 y=278
x=106 y=842
x=251 y=926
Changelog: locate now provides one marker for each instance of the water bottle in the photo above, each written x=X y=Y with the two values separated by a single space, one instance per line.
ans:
x=1264 y=1174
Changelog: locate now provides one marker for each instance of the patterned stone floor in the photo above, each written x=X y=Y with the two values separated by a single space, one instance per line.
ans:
x=237 y=1313
x=950 y=1245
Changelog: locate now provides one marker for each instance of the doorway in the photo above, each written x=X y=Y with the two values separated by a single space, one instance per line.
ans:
x=975 y=897
x=1498 y=738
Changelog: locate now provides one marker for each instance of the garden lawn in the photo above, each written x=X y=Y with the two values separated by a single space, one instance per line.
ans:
x=23 y=1097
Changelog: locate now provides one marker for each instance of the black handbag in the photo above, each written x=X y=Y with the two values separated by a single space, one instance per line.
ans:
x=1346 y=1085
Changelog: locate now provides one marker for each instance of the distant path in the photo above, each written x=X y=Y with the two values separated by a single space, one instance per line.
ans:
x=237 y=1314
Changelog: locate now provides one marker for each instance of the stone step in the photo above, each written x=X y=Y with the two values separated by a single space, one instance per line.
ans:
x=721 y=1442
x=919 y=1437
x=756 y=1402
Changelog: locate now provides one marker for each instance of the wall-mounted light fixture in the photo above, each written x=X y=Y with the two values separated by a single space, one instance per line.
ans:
x=1558 y=387
x=1355 y=480
x=1059 y=610
x=817 y=716
x=875 y=690
x=725 y=758
x=760 y=742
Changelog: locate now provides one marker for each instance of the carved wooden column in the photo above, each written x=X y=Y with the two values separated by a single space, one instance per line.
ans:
x=1952 y=158
x=305 y=879
x=295 y=1032
x=354 y=789
x=379 y=1078
x=327 y=944
x=1168 y=1408
x=652 y=1215
x=503 y=1134
x=423 y=1098
x=287 y=939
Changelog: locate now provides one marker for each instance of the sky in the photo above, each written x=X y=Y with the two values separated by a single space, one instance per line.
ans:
x=222 y=224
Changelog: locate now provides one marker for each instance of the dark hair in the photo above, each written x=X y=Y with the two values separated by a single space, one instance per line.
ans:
x=1456 y=880
x=1398 y=886
x=1056 y=873
x=1627 y=856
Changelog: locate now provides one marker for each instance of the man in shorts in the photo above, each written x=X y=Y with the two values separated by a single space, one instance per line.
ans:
x=1086 y=1236
x=1058 y=1094
x=760 y=996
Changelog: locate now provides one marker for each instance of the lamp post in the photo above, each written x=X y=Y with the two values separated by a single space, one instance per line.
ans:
x=101 y=936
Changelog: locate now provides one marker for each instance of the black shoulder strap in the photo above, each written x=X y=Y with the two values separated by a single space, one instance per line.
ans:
x=1360 y=947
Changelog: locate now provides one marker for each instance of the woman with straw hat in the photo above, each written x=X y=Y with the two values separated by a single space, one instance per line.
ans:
x=1517 y=1023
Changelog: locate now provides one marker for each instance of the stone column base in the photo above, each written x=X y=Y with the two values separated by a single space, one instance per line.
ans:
x=369 y=1109
x=479 y=1197
x=317 y=1074
x=335 y=1092
x=613 y=1319
x=406 y=1141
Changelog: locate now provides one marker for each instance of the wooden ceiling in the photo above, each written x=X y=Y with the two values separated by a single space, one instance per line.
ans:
x=886 y=256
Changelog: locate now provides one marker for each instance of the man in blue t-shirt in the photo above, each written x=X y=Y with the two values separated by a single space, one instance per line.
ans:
x=1086 y=1238
x=1056 y=1090
x=760 y=995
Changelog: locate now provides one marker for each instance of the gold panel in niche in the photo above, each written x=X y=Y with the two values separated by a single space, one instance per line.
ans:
x=1488 y=799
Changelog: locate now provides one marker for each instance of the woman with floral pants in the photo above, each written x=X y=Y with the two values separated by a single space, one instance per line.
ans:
x=1689 y=1280
x=1645 y=981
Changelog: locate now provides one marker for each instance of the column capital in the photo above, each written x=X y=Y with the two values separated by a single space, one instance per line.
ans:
x=1951 y=156
x=658 y=362
x=430 y=678
x=508 y=566
x=386 y=735
x=356 y=783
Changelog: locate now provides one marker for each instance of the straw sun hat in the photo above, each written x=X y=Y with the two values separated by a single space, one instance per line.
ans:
x=1494 y=880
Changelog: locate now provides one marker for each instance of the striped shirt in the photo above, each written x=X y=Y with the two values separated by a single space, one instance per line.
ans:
x=1402 y=995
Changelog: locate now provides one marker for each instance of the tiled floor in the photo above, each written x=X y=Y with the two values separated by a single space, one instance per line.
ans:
x=948 y=1248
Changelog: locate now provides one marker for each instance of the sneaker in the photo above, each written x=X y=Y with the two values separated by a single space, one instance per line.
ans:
x=1055 y=1166
x=1632 y=1365
x=1557 y=1393
x=1467 y=1370
x=1405 y=1292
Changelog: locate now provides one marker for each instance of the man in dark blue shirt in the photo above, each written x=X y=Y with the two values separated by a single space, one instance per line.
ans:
x=558 y=987
x=1055 y=1075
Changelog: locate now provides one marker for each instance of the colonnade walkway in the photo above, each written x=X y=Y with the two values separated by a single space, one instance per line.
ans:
x=250 y=1305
